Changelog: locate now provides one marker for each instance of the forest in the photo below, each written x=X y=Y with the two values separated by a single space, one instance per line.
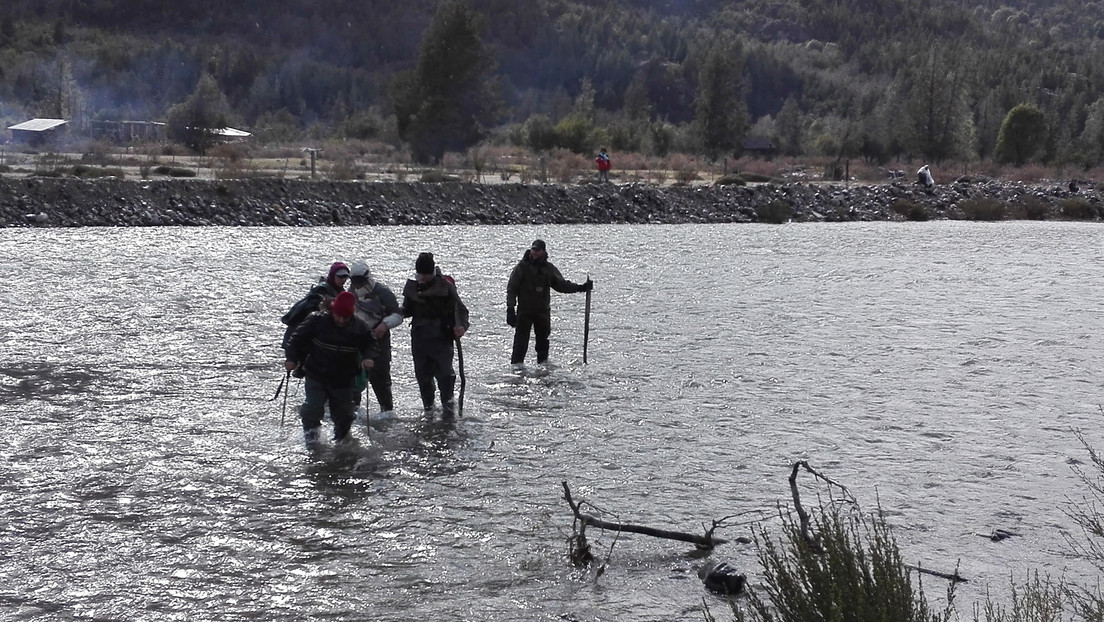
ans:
x=878 y=80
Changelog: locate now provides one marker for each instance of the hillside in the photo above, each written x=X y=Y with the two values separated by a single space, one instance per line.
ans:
x=871 y=79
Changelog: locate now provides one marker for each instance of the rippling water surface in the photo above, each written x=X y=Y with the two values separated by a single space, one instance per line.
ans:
x=939 y=368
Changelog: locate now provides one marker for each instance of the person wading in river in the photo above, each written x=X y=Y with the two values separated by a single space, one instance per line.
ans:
x=529 y=300
x=438 y=317
x=333 y=347
x=376 y=304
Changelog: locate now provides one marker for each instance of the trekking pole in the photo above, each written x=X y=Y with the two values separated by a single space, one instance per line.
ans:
x=463 y=378
x=586 y=324
x=283 y=414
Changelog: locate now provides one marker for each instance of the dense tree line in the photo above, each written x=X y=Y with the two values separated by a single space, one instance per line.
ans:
x=871 y=79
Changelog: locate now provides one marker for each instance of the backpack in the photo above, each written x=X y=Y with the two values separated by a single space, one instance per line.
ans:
x=300 y=310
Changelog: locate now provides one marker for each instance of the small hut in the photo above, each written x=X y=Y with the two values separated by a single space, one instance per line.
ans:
x=37 y=132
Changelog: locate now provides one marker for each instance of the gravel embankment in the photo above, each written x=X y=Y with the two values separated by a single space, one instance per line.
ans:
x=70 y=202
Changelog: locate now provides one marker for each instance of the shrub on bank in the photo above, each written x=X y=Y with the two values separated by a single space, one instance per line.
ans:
x=776 y=212
x=983 y=209
x=910 y=210
x=850 y=570
x=731 y=179
x=1077 y=209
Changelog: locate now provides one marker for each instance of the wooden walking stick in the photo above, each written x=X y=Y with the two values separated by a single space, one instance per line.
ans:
x=463 y=378
x=586 y=324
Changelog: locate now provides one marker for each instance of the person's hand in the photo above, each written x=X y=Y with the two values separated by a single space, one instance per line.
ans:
x=380 y=330
x=368 y=364
x=511 y=316
x=589 y=285
x=290 y=365
x=459 y=331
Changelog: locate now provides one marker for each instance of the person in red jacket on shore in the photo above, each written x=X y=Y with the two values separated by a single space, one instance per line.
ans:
x=604 y=165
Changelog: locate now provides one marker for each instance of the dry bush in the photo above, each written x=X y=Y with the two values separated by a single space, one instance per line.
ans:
x=1029 y=173
x=684 y=168
x=769 y=168
x=233 y=152
x=630 y=161
x=564 y=166
x=452 y=161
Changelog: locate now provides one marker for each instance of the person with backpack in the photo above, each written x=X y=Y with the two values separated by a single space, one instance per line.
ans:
x=604 y=165
x=330 y=348
x=377 y=306
x=529 y=300
x=438 y=318
x=318 y=298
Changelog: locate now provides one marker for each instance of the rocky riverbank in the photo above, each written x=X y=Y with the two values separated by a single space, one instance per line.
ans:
x=70 y=202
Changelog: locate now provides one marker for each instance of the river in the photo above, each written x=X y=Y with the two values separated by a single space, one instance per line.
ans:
x=940 y=369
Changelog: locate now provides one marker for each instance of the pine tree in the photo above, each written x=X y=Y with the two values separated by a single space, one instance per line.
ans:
x=450 y=99
x=193 y=121
x=720 y=116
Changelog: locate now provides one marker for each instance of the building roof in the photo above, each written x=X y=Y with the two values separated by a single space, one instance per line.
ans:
x=38 y=125
x=231 y=132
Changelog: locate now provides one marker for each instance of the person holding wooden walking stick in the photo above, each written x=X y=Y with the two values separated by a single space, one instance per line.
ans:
x=529 y=301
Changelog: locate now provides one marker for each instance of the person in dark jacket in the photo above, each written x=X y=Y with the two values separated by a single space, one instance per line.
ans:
x=438 y=317
x=319 y=298
x=529 y=300
x=333 y=346
x=376 y=304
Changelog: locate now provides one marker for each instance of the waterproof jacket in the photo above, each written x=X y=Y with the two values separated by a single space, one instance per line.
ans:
x=330 y=353
x=530 y=285
x=434 y=307
x=376 y=303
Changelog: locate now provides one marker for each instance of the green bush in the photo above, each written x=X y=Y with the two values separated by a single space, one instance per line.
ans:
x=731 y=179
x=850 y=570
x=776 y=212
x=1029 y=208
x=910 y=209
x=181 y=172
x=1077 y=209
x=983 y=209
x=756 y=178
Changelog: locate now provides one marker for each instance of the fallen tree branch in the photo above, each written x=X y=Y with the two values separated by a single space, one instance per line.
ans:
x=955 y=577
x=705 y=541
x=802 y=515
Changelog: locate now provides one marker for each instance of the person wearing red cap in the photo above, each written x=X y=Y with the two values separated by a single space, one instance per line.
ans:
x=333 y=347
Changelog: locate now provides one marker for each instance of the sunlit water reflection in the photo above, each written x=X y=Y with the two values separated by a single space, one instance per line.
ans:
x=939 y=368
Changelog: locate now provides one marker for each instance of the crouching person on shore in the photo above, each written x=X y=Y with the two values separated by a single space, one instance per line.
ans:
x=333 y=346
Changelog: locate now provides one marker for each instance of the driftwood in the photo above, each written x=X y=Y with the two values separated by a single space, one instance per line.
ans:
x=703 y=541
x=952 y=577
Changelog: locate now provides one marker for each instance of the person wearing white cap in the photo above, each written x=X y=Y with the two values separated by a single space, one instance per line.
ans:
x=377 y=306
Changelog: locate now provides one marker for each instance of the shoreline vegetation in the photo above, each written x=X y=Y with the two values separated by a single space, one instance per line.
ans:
x=236 y=186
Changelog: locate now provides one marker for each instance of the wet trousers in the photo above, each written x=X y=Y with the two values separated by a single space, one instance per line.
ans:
x=433 y=370
x=541 y=325
x=342 y=401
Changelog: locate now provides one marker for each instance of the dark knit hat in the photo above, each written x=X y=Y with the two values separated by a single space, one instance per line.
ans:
x=424 y=264
x=344 y=304
x=538 y=245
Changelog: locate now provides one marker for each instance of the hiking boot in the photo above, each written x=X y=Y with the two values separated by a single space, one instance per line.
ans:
x=311 y=440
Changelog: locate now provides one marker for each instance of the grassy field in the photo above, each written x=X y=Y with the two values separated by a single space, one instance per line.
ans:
x=489 y=165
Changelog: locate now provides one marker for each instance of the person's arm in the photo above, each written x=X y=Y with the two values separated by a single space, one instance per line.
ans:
x=391 y=307
x=297 y=342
